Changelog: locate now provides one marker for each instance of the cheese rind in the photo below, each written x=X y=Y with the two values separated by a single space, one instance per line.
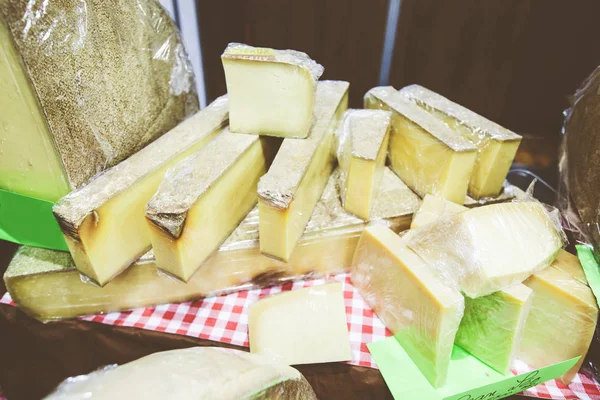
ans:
x=104 y=223
x=203 y=199
x=496 y=145
x=37 y=278
x=417 y=138
x=362 y=143
x=304 y=326
x=489 y=248
x=197 y=372
x=291 y=188
x=561 y=322
x=109 y=80
x=272 y=92
x=422 y=312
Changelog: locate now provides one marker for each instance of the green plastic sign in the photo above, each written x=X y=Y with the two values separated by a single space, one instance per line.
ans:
x=468 y=378
x=29 y=221
x=590 y=268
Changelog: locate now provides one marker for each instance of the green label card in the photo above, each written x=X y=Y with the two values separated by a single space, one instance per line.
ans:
x=468 y=378
x=29 y=221
x=590 y=267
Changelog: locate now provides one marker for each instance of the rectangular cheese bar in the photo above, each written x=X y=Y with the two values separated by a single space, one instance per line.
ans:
x=430 y=157
x=362 y=143
x=422 y=312
x=489 y=248
x=496 y=146
x=304 y=326
x=83 y=89
x=493 y=326
x=37 y=278
x=203 y=199
x=272 y=92
x=104 y=223
x=288 y=193
x=197 y=372
x=561 y=322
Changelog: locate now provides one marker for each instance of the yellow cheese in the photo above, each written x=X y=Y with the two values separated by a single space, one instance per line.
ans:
x=37 y=278
x=570 y=264
x=496 y=145
x=204 y=198
x=194 y=373
x=422 y=312
x=561 y=322
x=104 y=223
x=272 y=92
x=430 y=157
x=433 y=208
x=84 y=88
x=489 y=248
x=290 y=190
x=362 y=143
x=304 y=326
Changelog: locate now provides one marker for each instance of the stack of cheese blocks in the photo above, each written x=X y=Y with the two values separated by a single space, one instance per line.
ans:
x=492 y=279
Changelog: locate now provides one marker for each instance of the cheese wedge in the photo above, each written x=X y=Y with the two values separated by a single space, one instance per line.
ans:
x=489 y=248
x=561 y=322
x=104 y=223
x=570 y=264
x=37 y=278
x=304 y=326
x=422 y=312
x=493 y=326
x=496 y=146
x=203 y=199
x=430 y=157
x=197 y=372
x=433 y=208
x=272 y=92
x=288 y=193
x=83 y=89
x=362 y=143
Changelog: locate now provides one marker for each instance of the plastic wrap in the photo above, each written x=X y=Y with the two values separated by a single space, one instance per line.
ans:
x=93 y=217
x=496 y=146
x=290 y=190
x=361 y=146
x=37 y=278
x=422 y=311
x=272 y=92
x=416 y=139
x=88 y=83
x=197 y=372
x=305 y=326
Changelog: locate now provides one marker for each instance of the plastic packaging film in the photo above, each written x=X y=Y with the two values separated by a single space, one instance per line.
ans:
x=198 y=372
x=88 y=118
x=37 y=278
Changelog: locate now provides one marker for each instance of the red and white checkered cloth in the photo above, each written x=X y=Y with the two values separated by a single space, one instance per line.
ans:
x=225 y=319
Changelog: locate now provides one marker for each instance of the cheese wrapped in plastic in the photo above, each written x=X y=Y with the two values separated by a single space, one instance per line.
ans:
x=37 y=279
x=198 y=372
x=84 y=86
x=489 y=248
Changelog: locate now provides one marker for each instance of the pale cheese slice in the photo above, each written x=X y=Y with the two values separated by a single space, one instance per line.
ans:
x=422 y=311
x=433 y=208
x=304 y=326
x=362 y=143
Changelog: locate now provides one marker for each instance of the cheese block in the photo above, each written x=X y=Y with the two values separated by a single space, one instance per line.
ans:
x=103 y=222
x=289 y=191
x=493 y=325
x=362 y=143
x=570 y=264
x=496 y=146
x=83 y=88
x=422 y=311
x=433 y=208
x=561 y=322
x=197 y=372
x=416 y=139
x=272 y=92
x=203 y=199
x=37 y=278
x=489 y=248
x=304 y=326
